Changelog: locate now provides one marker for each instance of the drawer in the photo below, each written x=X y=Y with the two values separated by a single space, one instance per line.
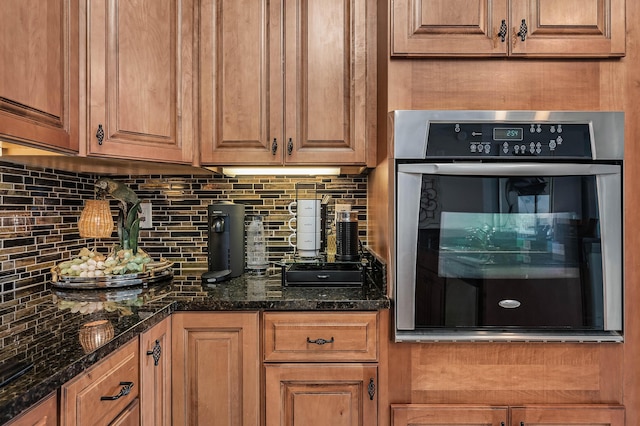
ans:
x=115 y=377
x=320 y=336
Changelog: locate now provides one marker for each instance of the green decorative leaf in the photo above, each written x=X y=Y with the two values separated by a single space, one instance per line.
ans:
x=132 y=215
x=134 y=232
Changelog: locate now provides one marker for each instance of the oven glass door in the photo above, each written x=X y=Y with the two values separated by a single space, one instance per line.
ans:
x=509 y=246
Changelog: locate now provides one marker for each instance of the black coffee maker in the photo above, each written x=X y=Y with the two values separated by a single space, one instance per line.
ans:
x=225 y=233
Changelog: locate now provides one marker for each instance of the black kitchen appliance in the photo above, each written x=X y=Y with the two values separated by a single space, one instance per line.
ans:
x=323 y=274
x=225 y=233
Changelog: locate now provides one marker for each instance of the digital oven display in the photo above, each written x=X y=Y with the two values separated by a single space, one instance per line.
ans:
x=507 y=134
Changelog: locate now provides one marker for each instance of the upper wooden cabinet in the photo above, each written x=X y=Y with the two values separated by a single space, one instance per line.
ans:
x=39 y=75
x=532 y=28
x=139 y=79
x=285 y=82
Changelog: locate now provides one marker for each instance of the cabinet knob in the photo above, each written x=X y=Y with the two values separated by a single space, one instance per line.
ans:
x=100 y=134
x=503 y=30
x=289 y=147
x=156 y=352
x=523 y=30
x=371 y=389
x=126 y=388
x=274 y=146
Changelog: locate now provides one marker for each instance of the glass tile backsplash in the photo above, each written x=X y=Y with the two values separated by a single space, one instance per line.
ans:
x=39 y=211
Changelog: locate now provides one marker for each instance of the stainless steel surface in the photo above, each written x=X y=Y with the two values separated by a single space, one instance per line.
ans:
x=410 y=129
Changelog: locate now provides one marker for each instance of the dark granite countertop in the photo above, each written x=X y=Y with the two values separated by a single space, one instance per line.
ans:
x=48 y=338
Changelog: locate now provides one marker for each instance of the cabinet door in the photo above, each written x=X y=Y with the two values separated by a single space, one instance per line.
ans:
x=580 y=28
x=240 y=81
x=155 y=374
x=130 y=416
x=139 y=79
x=321 y=394
x=44 y=413
x=570 y=415
x=215 y=372
x=449 y=27
x=326 y=81
x=39 y=77
x=115 y=377
x=467 y=415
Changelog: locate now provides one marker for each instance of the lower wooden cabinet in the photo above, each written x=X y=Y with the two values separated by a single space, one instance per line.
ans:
x=321 y=368
x=104 y=393
x=155 y=375
x=44 y=413
x=569 y=415
x=532 y=415
x=321 y=394
x=216 y=368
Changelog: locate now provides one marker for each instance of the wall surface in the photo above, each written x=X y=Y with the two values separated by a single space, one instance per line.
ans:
x=518 y=373
x=39 y=211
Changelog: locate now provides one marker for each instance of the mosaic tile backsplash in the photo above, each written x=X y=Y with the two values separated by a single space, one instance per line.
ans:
x=39 y=211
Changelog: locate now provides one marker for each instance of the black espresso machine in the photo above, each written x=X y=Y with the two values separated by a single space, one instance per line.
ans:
x=225 y=233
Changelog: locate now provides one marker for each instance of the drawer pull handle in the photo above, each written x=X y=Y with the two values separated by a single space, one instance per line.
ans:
x=126 y=388
x=320 y=341
x=156 y=353
x=323 y=276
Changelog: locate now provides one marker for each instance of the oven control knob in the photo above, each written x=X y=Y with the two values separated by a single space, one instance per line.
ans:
x=552 y=129
x=559 y=140
x=532 y=129
x=539 y=128
x=472 y=147
x=487 y=148
x=559 y=128
x=552 y=144
x=456 y=128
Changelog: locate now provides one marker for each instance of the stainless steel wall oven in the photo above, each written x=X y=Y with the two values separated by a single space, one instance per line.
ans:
x=507 y=225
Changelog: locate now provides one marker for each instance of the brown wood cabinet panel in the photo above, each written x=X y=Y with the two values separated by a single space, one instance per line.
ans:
x=240 y=78
x=39 y=74
x=532 y=28
x=568 y=28
x=570 y=415
x=447 y=27
x=155 y=374
x=300 y=92
x=438 y=415
x=501 y=374
x=139 y=79
x=321 y=394
x=81 y=401
x=315 y=336
x=130 y=416
x=215 y=373
x=326 y=81
x=44 y=413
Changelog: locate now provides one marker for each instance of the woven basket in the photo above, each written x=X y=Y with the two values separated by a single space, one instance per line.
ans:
x=96 y=220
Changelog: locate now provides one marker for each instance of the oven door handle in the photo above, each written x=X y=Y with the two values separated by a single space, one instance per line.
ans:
x=509 y=169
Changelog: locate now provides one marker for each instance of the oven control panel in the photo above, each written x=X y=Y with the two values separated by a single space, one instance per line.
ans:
x=509 y=139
